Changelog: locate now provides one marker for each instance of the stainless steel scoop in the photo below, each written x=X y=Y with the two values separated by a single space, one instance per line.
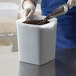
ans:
x=57 y=12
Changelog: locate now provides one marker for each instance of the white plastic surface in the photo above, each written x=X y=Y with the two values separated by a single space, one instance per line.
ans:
x=8 y=9
x=36 y=43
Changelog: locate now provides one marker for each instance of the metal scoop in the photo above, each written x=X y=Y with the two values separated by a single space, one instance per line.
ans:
x=57 y=12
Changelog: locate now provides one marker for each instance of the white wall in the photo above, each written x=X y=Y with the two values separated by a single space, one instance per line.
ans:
x=16 y=1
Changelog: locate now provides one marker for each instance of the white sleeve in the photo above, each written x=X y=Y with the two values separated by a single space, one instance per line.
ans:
x=35 y=1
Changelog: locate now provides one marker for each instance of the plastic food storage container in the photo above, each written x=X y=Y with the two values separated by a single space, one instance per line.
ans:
x=36 y=43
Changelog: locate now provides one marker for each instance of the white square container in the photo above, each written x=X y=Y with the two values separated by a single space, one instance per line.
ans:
x=8 y=10
x=36 y=43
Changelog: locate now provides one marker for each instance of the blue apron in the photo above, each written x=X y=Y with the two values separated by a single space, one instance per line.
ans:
x=66 y=28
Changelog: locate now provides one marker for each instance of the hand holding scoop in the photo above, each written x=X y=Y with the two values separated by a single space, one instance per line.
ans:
x=57 y=12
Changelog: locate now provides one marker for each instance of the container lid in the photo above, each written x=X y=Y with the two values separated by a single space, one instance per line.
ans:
x=8 y=5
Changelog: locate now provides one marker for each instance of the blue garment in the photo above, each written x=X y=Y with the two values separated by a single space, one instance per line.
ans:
x=66 y=28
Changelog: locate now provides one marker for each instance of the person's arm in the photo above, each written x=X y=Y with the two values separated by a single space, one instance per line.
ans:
x=71 y=3
x=29 y=7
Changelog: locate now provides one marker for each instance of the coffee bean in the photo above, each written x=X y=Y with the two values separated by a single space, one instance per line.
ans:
x=36 y=22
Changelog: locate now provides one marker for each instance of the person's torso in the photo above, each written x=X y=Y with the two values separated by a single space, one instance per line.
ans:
x=48 y=6
x=66 y=27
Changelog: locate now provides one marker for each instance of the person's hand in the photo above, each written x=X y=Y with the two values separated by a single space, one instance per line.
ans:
x=71 y=3
x=29 y=8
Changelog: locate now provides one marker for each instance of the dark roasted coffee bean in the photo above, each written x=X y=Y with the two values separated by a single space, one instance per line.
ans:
x=36 y=22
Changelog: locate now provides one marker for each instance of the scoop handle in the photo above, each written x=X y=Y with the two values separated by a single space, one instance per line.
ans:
x=59 y=11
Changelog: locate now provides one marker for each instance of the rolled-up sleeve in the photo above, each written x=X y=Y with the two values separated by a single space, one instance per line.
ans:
x=35 y=1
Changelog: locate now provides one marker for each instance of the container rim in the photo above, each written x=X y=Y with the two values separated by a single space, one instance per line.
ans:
x=52 y=22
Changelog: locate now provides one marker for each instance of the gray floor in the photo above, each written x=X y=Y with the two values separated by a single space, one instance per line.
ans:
x=8 y=63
